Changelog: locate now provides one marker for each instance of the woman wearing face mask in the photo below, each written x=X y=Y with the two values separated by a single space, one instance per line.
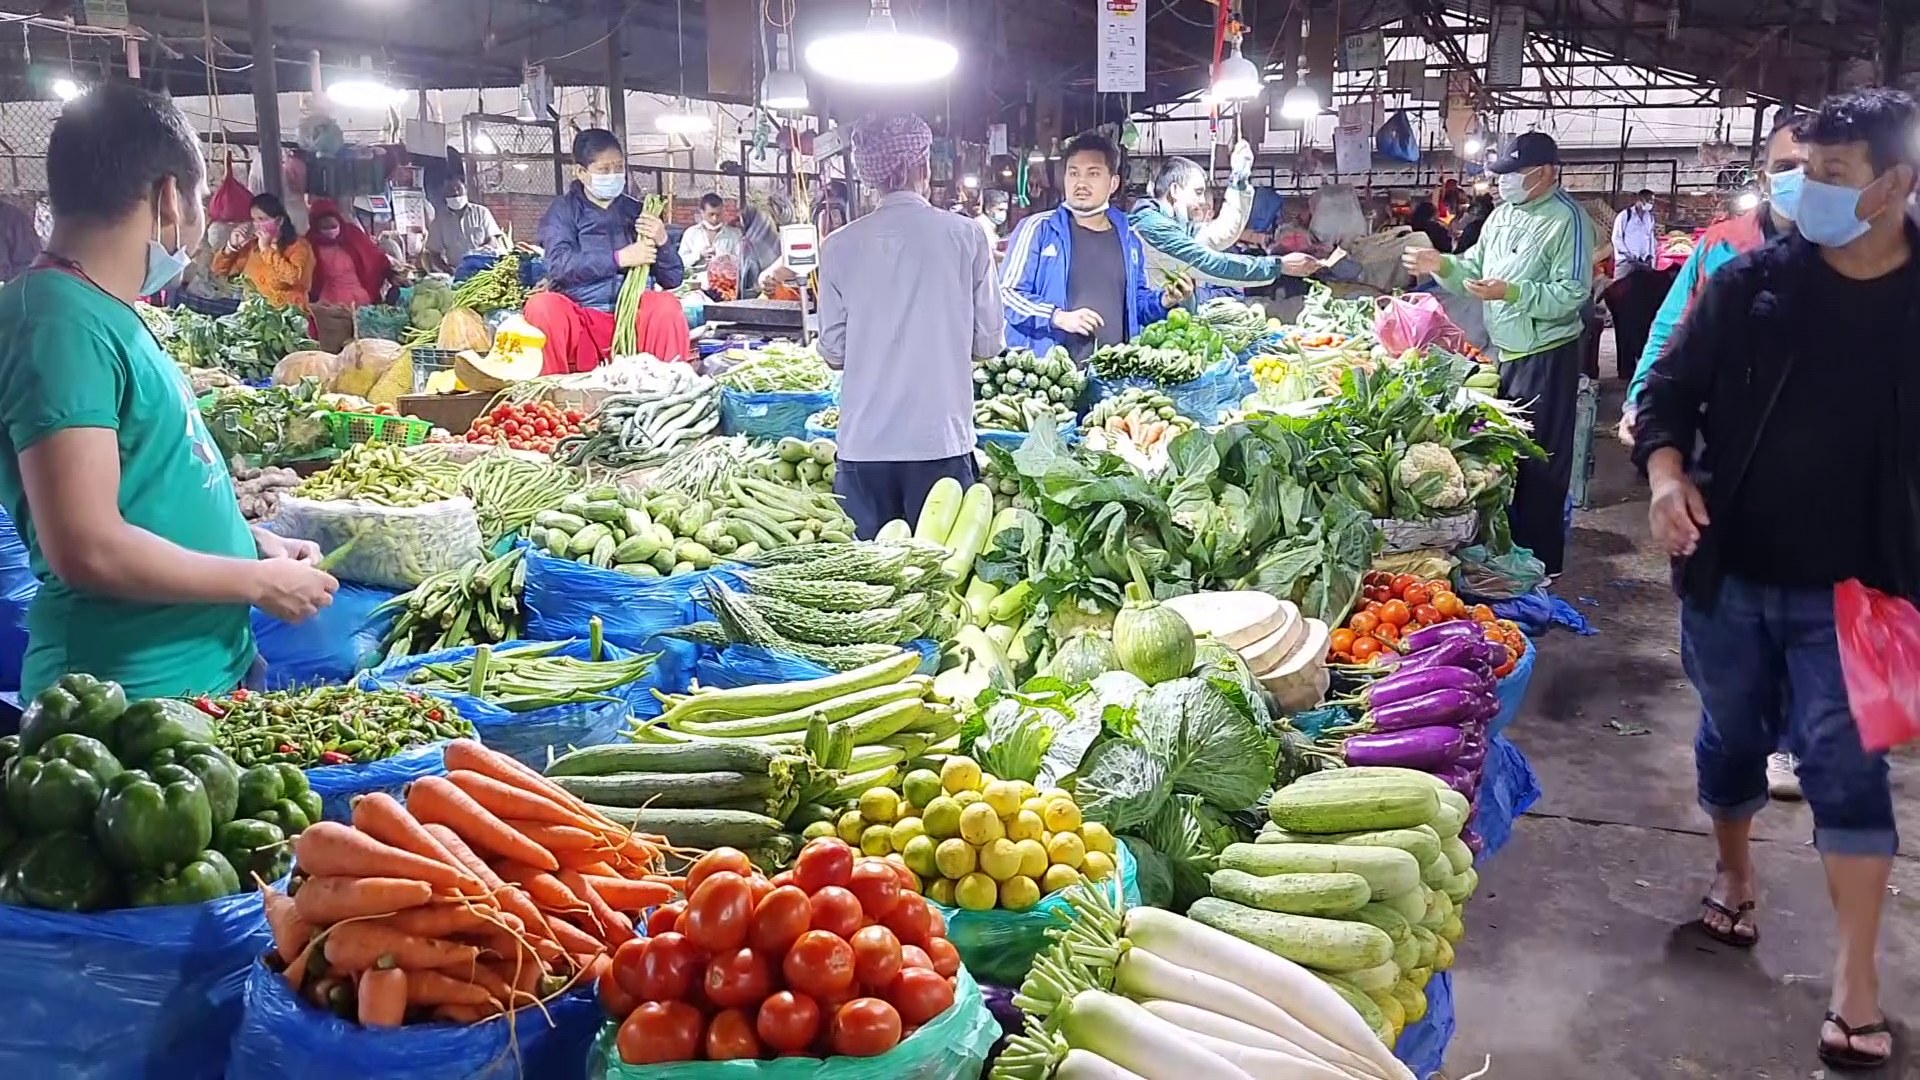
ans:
x=349 y=272
x=271 y=255
x=146 y=567
x=594 y=235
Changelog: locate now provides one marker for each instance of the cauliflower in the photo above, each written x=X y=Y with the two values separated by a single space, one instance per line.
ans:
x=1429 y=475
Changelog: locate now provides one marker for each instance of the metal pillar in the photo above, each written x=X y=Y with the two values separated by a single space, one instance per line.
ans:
x=616 y=80
x=266 y=93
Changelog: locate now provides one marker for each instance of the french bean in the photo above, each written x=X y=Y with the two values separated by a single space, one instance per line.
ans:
x=525 y=679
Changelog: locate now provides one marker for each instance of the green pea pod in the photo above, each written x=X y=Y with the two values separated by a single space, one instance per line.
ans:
x=260 y=787
x=59 y=788
x=148 y=821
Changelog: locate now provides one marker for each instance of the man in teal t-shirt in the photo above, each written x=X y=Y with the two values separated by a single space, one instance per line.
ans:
x=147 y=569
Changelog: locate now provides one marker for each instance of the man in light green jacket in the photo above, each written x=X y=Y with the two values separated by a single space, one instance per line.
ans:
x=1534 y=268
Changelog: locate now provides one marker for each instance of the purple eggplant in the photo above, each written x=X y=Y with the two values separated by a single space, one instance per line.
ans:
x=1473 y=758
x=1458 y=779
x=1402 y=685
x=1424 y=748
x=1444 y=706
x=1428 y=636
x=1475 y=843
x=1471 y=653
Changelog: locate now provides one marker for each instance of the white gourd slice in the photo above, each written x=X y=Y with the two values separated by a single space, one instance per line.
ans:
x=1235 y=619
x=1300 y=682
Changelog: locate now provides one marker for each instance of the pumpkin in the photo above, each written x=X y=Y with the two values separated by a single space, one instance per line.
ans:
x=519 y=354
x=1083 y=656
x=1152 y=641
x=363 y=362
x=306 y=364
x=463 y=328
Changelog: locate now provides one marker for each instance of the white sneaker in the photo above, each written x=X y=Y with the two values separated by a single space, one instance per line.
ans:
x=1783 y=776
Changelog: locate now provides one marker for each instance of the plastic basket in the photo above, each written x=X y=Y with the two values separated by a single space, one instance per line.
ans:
x=350 y=428
x=428 y=361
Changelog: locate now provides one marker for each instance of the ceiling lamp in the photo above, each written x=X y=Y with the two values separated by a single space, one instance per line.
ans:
x=881 y=55
x=682 y=120
x=66 y=89
x=363 y=89
x=1301 y=103
x=1472 y=146
x=783 y=87
x=1238 y=79
x=1746 y=201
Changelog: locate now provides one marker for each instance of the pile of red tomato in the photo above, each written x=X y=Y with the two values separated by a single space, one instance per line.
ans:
x=535 y=425
x=1394 y=605
x=839 y=955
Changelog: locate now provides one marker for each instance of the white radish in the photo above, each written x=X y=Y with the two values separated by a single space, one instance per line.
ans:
x=1281 y=982
x=1087 y=1065
x=1273 y=1064
x=1193 y=1018
x=1142 y=975
x=1135 y=1039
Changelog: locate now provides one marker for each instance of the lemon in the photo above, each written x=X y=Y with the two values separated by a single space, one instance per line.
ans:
x=1059 y=877
x=1000 y=859
x=906 y=829
x=1019 y=893
x=921 y=786
x=1025 y=825
x=1034 y=803
x=877 y=841
x=1027 y=790
x=851 y=826
x=941 y=891
x=817 y=830
x=921 y=855
x=1053 y=793
x=941 y=818
x=979 y=824
x=1062 y=815
x=879 y=804
x=1067 y=849
x=958 y=774
x=1097 y=838
x=966 y=798
x=1098 y=866
x=1033 y=857
x=1003 y=796
x=976 y=892
x=954 y=858
x=907 y=810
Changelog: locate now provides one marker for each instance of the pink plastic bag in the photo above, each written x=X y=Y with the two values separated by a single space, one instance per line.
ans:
x=1414 y=321
x=1880 y=657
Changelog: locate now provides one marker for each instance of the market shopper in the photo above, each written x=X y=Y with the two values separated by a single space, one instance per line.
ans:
x=908 y=299
x=130 y=518
x=1533 y=265
x=993 y=218
x=1077 y=277
x=709 y=237
x=1797 y=352
x=594 y=235
x=1426 y=220
x=271 y=254
x=1178 y=243
x=464 y=228
x=19 y=244
x=1637 y=289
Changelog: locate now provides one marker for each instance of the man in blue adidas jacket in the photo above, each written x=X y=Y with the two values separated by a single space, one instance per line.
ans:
x=1077 y=277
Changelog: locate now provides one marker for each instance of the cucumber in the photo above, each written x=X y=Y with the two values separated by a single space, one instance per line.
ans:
x=1428 y=943
x=1374 y=980
x=1389 y=870
x=1406 y=952
x=1448 y=822
x=603 y=551
x=1352 y=804
x=707 y=829
x=670 y=790
x=1368 y=1009
x=1454 y=929
x=554 y=519
x=735 y=756
x=1460 y=888
x=583 y=541
x=1436 y=872
x=607 y=513
x=1421 y=841
x=1413 y=1001
x=1439 y=906
x=1412 y=904
x=1396 y=926
x=1459 y=855
x=1324 y=944
x=795 y=720
x=638 y=547
x=1293 y=894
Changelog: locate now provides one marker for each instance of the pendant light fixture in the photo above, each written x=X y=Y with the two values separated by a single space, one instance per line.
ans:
x=681 y=119
x=362 y=88
x=882 y=54
x=1238 y=79
x=783 y=89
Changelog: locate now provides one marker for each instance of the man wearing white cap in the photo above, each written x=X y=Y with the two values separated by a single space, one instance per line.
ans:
x=908 y=298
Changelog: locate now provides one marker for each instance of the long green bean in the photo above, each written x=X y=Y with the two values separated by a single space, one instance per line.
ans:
x=626 y=307
x=524 y=679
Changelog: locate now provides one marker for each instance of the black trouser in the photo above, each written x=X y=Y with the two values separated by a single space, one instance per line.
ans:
x=1634 y=300
x=1548 y=384
x=876 y=492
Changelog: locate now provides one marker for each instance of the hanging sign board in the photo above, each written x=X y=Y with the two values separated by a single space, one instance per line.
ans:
x=829 y=142
x=1121 y=44
x=1407 y=75
x=1458 y=106
x=1353 y=137
x=1365 y=51
x=996 y=140
x=1506 y=45
x=108 y=14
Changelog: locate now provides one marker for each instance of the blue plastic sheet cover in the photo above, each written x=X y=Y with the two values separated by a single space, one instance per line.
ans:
x=755 y=665
x=1201 y=400
x=284 y=1038
x=1423 y=1046
x=1540 y=611
x=771 y=415
x=327 y=648
x=1512 y=691
x=562 y=598
x=338 y=784
x=18 y=587
x=1508 y=788
x=126 y=995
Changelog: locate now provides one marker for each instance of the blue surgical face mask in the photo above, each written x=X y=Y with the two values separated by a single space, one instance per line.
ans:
x=162 y=265
x=606 y=185
x=1828 y=214
x=1783 y=192
x=1513 y=187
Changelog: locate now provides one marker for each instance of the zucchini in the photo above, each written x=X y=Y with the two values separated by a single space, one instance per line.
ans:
x=760 y=700
x=1459 y=855
x=1439 y=906
x=738 y=755
x=1362 y=1004
x=1389 y=870
x=1428 y=944
x=1396 y=925
x=1460 y=887
x=1331 y=945
x=939 y=511
x=1421 y=841
x=707 y=829
x=1373 y=980
x=1293 y=894
x=1353 y=803
x=1412 y=904
x=1436 y=872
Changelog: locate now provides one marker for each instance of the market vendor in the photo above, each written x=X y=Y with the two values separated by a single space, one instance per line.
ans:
x=271 y=254
x=1179 y=243
x=463 y=228
x=146 y=567
x=1077 y=277
x=594 y=235
x=710 y=238
x=349 y=272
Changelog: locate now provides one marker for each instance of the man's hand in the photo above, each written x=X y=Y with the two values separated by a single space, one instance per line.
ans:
x=639 y=253
x=1488 y=288
x=1299 y=264
x=1242 y=159
x=1421 y=260
x=1624 y=432
x=1179 y=287
x=1677 y=514
x=1085 y=322
x=647 y=227
x=291 y=591
x=272 y=545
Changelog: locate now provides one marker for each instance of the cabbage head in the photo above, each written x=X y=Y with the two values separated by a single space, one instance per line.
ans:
x=1205 y=744
x=1191 y=834
x=1120 y=785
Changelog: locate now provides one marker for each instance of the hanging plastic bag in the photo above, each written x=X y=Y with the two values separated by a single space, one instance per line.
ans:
x=1880 y=657
x=18 y=587
x=1396 y=139
x=231 y=201
x=999 y=945
x=1415 y=321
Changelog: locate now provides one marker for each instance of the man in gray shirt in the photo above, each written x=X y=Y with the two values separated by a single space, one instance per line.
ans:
x=464 y=228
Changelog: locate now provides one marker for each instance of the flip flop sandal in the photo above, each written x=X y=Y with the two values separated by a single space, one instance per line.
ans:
x=1847 y=1058
x=1735 y=917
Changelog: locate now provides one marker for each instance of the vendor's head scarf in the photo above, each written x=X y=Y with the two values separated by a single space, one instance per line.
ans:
x=369 y=262
x=886 y=150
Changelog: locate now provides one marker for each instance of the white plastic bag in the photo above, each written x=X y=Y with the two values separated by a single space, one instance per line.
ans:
x=397 y=547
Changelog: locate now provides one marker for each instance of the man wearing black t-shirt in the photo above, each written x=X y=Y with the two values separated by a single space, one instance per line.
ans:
x=1794 y=374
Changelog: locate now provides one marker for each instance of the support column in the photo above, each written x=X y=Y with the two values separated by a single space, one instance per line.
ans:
x=266 y=92
x=616 y=79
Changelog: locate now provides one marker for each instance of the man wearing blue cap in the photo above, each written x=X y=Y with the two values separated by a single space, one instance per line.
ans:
x=1533 y=265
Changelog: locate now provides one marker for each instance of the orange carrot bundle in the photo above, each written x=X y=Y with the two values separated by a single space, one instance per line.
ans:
x=382 y=997
x=435 y=800
x=439 y=988
x=642 y=850
x=628 y=895
x=291 y=933
x=509 y=801
x=330 y=849
x=614 y=927
x=576 y=941
x=359 y=946
x=560 y=839
x=547 y=890
x=381 y=816
x=445 y=920
x=323 y=901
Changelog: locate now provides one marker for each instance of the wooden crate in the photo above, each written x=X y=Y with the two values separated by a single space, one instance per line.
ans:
x=454 y=412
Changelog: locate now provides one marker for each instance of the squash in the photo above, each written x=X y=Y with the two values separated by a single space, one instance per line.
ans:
x=463 y=328
x=1152 y=641
x=362 y=363
x=1085 y=655
x=519 y=354
x=306 y=364
x=1389 y=870
x=1355 y=804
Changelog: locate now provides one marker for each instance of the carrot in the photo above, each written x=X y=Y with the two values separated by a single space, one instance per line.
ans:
x=547 y=890
x=489 y=978
x=627 y=895
x=382 y=997
x=509 y=801
x=297 y=970
x=575 y=940
x=329 y=848
x=381 y=816
x=470 y=755
x=324 y=901
x=560 y=838
x=357 y=946
x=597 y=869
x=511 y=900
x=444 y=920
x=436 y=988
x=614 y=927
x=290 y=932
x=466 y=1014
x=435 y=800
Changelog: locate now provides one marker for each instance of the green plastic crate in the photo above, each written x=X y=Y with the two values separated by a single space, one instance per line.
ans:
x=352 y=428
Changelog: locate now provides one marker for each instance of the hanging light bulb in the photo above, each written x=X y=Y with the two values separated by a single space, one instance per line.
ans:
x=362 y=88
x=881 y=54
x=483 y=143
x=66 y=89
x=783 y=87
x=1301 y=103
x=1746 y=201
x=1238 y=79
x=1472 y=146
x=682 y=120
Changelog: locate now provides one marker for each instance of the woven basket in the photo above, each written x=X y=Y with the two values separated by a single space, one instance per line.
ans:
x=1443 y=533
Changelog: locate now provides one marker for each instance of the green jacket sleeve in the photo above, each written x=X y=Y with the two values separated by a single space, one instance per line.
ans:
x=1672 y=310
x=1165 y=235
x=1570 y=259
x=1457 y=270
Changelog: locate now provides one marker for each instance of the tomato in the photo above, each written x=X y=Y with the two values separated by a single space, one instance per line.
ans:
x=1363 y=622
x=910 y=920
x=1379 y=594
x=614 y=998
x=1448 y=605
x=876 y=886
x=718 y=912
x=759 y=886
x=945 y=957
x=1416 y=595
x=1364 y=647
x=825 y=861
x=668 y=968
x=779 y=919
x=915 y=956
x=1386 y=633
x=909 y=881
x=865 y=1027
x=1341 y=640
x=788 y=1022
x=936 y=922
x=1378 y=577
x=574 y=416
x=919 y=995
x=661 y=1031
x=1396 y=612
x=626 y=964
x=837 y=911
x=738 y=980
x=1482 y=613
x=720 y=858
x=876 y=957
x=663 y=918
x=730 y=1035
x=1400 y=583
x=820 y=964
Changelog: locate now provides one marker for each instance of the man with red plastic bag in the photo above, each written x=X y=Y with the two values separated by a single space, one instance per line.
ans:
x=1798 y=353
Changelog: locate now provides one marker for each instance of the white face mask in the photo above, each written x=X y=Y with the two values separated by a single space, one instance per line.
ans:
x=606 y=185
x=457 y=203
x=162 y=265
x=1513 y=187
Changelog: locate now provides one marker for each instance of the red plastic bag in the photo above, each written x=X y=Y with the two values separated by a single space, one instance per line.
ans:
x=231 y=201
x=1880 y=657
x=1415 y=321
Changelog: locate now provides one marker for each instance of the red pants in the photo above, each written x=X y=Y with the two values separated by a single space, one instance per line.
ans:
x=581 y=338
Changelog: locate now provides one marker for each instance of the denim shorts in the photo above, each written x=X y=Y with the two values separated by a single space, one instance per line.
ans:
x=1766 y=662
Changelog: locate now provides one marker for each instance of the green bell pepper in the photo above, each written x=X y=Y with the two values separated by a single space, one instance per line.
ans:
x=289 y=815
x=312 y=805
x=53 y=711
x=217 y=773
x=60 y=872
x=60 y=787
x=207 y=876
x=254 y=847
x=148 y=727
x=293 y=780
x=260 y=787
x=149 y=820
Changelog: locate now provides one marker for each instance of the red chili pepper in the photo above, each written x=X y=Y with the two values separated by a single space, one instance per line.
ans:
x=207 y=705
x=335 y=757
x=289 y=748
x=242 y=694
x=433 y=714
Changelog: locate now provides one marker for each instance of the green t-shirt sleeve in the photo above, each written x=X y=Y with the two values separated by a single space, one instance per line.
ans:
x=67 y=373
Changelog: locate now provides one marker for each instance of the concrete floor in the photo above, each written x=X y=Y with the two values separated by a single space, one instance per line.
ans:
x=1579 y=959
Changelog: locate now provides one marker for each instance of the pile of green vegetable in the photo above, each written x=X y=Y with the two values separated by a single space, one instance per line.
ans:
x=111 y=804
x=384 y=474
x=529 y=677
x=384 y=321
x=478 y=604
x=270 y=425
x=508 y=491
x=702 y=470
x=629 y=430
x=248 y=342
x=775 y=369
x=1325 y=313
x=497 y=288
x=669 y=533
x=432 y=299
x=1014 y=389
x=327 y=725
x=1165 y=365
x=804 y=464
x=1239 y=324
